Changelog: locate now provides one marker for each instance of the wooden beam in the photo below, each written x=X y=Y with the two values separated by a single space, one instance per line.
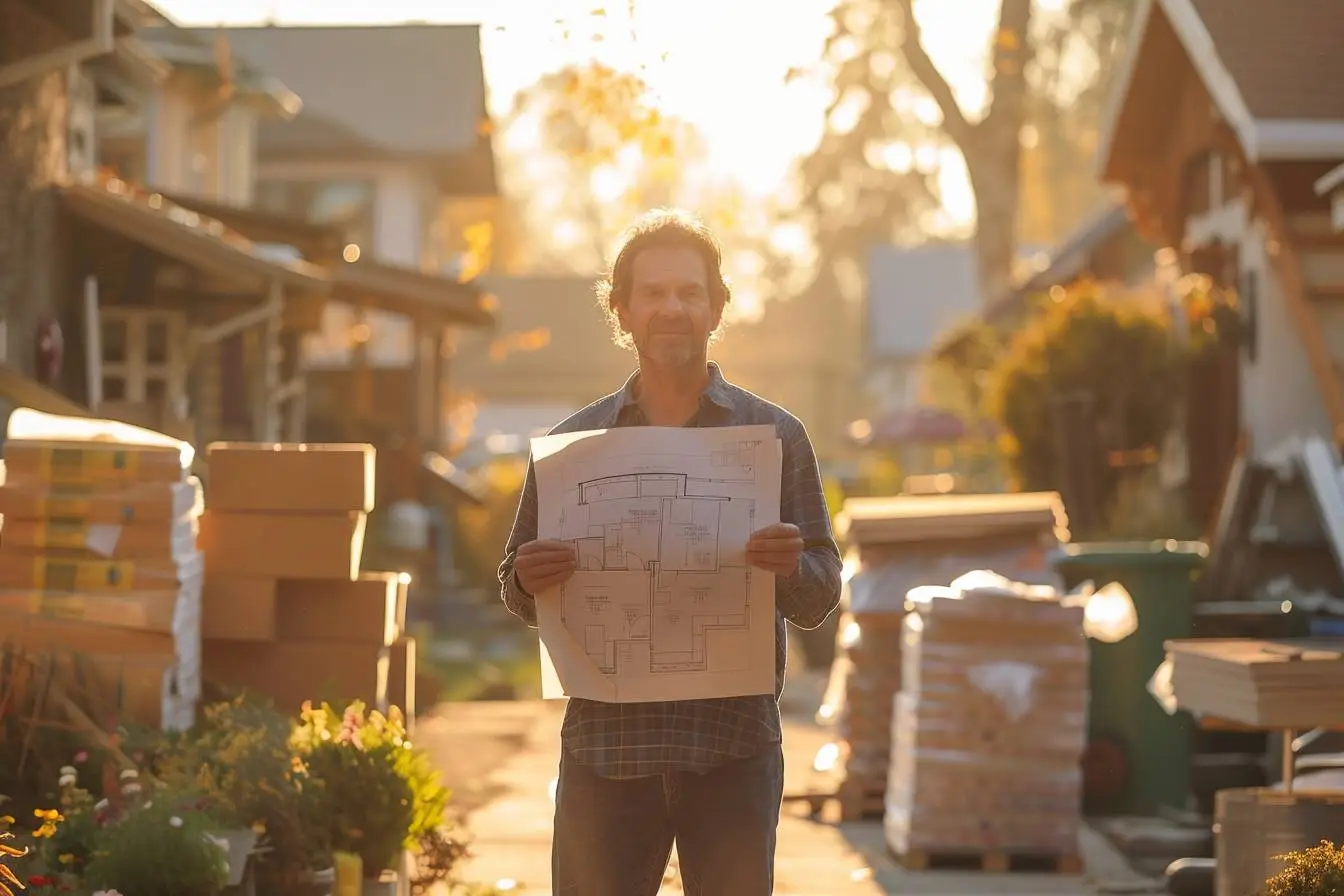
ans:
x=1287 y=266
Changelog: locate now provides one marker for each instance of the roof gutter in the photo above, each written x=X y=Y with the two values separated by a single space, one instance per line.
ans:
x=101 y=43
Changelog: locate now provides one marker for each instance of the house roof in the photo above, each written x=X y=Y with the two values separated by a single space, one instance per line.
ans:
x=185 y=235
x=365 y=283
x=196 y=50
x=1065 y=261
x=409 y=89
x=915 y=294
x=1272 y=69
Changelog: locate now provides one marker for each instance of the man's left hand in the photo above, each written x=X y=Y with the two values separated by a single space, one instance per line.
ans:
x=776 y=549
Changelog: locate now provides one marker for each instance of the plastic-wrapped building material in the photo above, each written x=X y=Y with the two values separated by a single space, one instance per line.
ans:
x=100 y=574
x=866 y=674
x=989 y=726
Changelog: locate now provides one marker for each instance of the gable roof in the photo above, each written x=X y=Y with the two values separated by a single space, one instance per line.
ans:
x=1274 y=71
x=408 y=89
x=915 y=294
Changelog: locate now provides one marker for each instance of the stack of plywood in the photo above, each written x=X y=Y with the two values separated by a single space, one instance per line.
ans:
x=287 y=612
x=900 y=543
x=988 y=731
x=100 y=574
x=1264 y=684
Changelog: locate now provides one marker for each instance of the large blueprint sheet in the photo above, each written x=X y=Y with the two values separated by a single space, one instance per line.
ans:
x=663 y=605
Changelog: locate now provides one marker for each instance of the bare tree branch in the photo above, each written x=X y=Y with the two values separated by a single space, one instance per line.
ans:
x=912 y=48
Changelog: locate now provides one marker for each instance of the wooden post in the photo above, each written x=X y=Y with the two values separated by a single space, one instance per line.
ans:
x=267 y=424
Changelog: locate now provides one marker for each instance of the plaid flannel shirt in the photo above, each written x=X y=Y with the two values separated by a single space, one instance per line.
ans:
x=631 y=740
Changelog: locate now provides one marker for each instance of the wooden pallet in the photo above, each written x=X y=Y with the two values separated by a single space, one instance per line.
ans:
x=859 y=802
x=992 y=861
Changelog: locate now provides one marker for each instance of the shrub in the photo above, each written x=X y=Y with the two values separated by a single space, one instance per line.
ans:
x=1318 y=871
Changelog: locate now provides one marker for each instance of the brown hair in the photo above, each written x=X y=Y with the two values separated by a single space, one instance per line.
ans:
x=661 y=227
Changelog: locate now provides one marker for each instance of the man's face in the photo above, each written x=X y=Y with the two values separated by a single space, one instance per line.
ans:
x=670 y=313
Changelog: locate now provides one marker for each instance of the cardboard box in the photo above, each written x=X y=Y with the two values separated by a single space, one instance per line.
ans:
x=90 y=463
x=289 y=674
x=368 y=610
x=238 y=608
x=283 y=545
x=291 y=478
x=116 y=503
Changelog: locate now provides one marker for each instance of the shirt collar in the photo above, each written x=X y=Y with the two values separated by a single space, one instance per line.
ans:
x=718 y=391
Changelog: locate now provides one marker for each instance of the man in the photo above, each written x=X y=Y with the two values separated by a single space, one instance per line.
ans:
x=707 y=774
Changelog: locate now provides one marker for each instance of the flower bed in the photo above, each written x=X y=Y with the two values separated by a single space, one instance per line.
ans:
x=247 y=799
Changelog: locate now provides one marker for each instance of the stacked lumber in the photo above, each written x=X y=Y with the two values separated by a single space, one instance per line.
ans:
x=1263 y=684
x=901 y=543
x=288 y=614
x=100 y=576
x=989 y=730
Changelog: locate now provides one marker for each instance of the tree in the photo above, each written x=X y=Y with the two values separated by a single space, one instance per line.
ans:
x=1074 y=350
x=874 y=168
x=587 y=147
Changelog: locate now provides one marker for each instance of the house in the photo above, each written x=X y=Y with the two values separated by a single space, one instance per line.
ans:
x=402 y=161
x=44 y=135
x=914 y=295
x=1332 y=185
x=1105 y=247
x=1224 y=121
x=115 y=300
x=195 y=132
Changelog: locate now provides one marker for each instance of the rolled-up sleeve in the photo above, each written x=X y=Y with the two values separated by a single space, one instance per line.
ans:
x=519 y=602
x=808 y=596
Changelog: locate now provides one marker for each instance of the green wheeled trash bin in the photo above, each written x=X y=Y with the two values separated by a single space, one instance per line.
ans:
x=1138 y=756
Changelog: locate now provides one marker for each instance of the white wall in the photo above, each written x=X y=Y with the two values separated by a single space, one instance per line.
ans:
x=214 y=159
x=1279 y=397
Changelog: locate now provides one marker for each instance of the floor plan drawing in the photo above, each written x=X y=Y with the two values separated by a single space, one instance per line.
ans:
x=663 y=604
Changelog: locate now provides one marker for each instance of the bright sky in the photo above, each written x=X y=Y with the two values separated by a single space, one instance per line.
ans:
x=717 y=63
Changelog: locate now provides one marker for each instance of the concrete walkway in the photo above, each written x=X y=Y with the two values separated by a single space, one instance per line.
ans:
x=511 y=825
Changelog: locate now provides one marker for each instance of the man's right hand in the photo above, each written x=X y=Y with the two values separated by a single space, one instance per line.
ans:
x=539 y=565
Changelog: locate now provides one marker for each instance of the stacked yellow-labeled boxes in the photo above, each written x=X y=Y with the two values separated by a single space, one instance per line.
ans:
x=287 y=612
x=100 y=574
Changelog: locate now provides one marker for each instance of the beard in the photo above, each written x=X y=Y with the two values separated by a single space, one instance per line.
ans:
x=671 y=350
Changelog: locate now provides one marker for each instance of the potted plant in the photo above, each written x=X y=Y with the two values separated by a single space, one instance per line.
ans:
x=239 y=757
x=1318 y=871
x=355 y=760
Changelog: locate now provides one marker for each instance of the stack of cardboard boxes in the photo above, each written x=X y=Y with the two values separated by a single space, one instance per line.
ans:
x=287 y=612
x=100 y=574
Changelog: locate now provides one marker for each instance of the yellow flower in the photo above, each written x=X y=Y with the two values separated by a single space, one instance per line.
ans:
x=6 y=819
x=9 y=881
x=49 y=814
x=66 y=858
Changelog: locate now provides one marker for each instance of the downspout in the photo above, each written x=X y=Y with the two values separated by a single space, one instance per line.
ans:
x=101 y=43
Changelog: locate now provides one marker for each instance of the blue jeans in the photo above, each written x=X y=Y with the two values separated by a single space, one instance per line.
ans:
x=614 y=837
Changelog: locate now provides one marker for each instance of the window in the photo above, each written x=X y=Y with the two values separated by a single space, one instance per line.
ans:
x=144 y=357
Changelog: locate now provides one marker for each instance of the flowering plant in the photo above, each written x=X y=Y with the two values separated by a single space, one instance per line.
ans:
x=354 y=758
x=240 y=758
